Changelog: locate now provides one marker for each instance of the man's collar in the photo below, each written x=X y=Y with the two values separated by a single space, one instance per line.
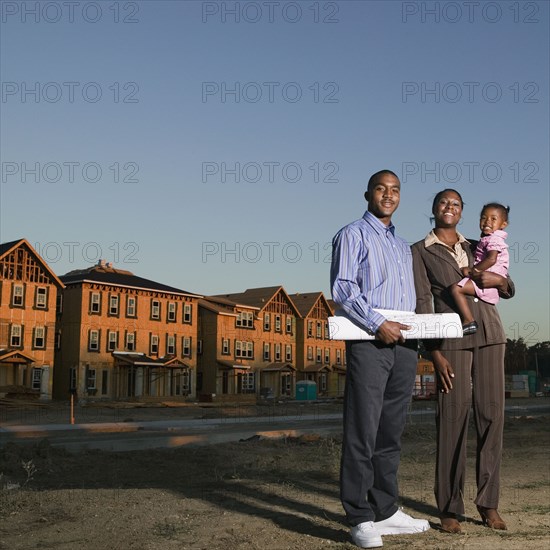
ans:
x=380 y=227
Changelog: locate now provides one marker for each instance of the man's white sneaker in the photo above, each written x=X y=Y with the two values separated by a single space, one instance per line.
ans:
x=365 y=535
x=401 y=524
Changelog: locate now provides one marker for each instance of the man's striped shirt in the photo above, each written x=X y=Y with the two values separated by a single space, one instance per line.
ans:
x=371 y=268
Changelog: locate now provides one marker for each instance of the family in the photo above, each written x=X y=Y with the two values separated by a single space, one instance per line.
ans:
x=373 y=268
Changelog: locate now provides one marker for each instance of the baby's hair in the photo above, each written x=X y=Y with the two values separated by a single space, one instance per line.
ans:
x=504 y=209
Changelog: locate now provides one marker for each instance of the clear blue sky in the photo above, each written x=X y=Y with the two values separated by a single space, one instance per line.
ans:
x=129 y=111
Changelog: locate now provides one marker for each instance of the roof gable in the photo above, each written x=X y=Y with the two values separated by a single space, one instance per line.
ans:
x=312 y=304
x=19 y=261
x=268 y=299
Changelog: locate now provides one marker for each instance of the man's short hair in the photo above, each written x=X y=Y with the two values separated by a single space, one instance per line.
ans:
x=375 y=176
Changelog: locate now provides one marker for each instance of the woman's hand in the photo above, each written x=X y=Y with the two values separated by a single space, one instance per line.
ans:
x=466 y=271
x=444 y=371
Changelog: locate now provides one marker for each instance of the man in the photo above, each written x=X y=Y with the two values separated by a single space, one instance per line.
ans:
x=372 y=268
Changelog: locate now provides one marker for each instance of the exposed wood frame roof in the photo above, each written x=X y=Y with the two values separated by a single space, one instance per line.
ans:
x=6 y=248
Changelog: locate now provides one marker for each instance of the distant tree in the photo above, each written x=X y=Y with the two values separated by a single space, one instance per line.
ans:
x=515 y=358
x=539 y=359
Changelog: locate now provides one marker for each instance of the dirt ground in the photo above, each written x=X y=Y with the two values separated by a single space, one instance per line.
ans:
x=256 y=494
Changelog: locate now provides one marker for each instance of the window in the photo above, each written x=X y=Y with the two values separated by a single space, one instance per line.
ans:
x=155 y=309
x=18 y=296
x=39 y=338
x=170 y=344
x=288 y=352
x=131 y=303
x=319 y=328
x=93 y=340
x=187 y=313
x=199 y=347
x=310 y=353
x=41 y=297
x=286 y=384
x=130 y=341
x=181 y=382
x=267 y=321
x=185 y=379
x=277 y=352
x=112 y=340
x=90 y=378
x=323 y=382
x=95 y=302
x=277 y=323
x=267 y=352
x=327 y=333
x=310 y=328
x=318 y=355
x=16 y=336
x=113 y=304
x=338 y=356
x=58 y=340
x=244 y=349
x=327 y=355
x=59 y=303
x=154 y=344
x=245 y=319
x=36 y=379
x=186 y=346
x=247 y=384
x=225 y=346
x=104 y=382
x=171 y=315
x=289 y=324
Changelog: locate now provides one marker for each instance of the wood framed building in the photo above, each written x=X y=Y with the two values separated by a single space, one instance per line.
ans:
x=123 y=336
x=318 y=358
x=28 y=295
x=249 y=344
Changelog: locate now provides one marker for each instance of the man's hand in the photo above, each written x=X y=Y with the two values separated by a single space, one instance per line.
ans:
x=444 y=371
x=390 y=332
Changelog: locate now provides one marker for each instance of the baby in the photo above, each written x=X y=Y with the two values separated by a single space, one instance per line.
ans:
x=491 y=255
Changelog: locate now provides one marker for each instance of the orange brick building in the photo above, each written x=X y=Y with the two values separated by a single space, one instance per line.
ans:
x=28 y=294
x=227 y=332
x=318 y=358
x=249 y=343
x=124 y=336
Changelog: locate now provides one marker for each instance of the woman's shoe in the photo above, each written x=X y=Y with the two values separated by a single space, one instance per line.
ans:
x=450 y=524
x=491 y=518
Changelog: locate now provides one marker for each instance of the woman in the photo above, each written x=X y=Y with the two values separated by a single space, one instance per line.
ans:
x=470 y=370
